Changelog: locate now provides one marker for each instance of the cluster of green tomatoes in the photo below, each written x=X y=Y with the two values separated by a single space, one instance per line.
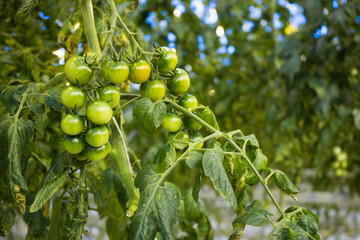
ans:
x=88 y=137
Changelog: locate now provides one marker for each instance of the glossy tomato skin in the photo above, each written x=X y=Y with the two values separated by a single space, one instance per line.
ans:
x=73 y=97
x=154 y=89
x=99 y=112
x=192 y=124
x=139 y=72
x=189 y=102
x=168 y=60
x=172 y=122
x=74 y=144
x=196 y=137
x=115 y=72
x=180 y=135
x=110 y=94
x=180 y=82
x=77 y=71
x=97 y=136
x=72 y=124
x=99 y=153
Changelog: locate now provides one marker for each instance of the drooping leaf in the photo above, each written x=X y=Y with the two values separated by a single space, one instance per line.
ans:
x=254 y=215
x=197 y=186
x=158 y=209
x=16 y=137
x=54 y=179
x=166 y=153
x=284 y=183
x=52 y=99
x=259 y=161
x=194 y=159
x=36 y=226
x=208 y=116
x=213 y=168
x=148 y=114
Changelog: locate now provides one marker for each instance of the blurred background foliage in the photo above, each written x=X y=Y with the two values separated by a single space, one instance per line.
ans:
x=284 y=70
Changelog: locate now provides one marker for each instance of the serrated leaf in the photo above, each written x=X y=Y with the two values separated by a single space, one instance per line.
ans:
x=213 y=168
x=308 y=223
x=158 y=209
x=25 y=9
x=284 y=183
x=254 y=215
x=208 y=116
x=52 y=99
x=54 y=179
x=291 y=231
x=16 y=137
x=148 y=114
x=194 y=159
x=37 y=108
x=197 y=185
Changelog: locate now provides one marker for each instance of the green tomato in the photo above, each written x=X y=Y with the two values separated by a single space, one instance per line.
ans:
x=196 y=137
x=154 y=89
x=167 y=60
x=139 y=72
x=78 y=71
x=180 y=82
x=97 y=136
x=172 y=122
x=99 y=112
x=180 y=135
x=189 y=101
x=81 y=156
x=192 y=124
x=73 y=97
x=110 y=94
x=74 y=144
x=115 y=72
x=72 y=124
x=99 y=153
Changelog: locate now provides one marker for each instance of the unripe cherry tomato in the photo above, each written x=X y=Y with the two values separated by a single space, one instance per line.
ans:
x=78 y=71
x=97 y=136
x=154 y=89
x=196 y=137
x=168 y=60
x=99 y=112
x=115 y=72
x=189 y=101
x=180 y=135
x=99 y=153
x=72 y=124
x=73 y=97
x=110 y=94
x=139 y=72
x=180 y=82
x=74 y=144
x=172 y=122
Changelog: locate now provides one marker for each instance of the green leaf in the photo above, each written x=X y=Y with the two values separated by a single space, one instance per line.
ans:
x=194 y=159
x=248 y=140
x=291 y=231
x=25 y=9
x=213 y=168
x=158 y=209
x=208 y=116
x=37 y=108
x=197 y=185
x=116 y=227
x=254 y=215
x=259 y=161
x=15 y=142
x=52 y=99
x=284 y=183
x=54 y=179
x=180 y=136
x=308 y=223
x=166 y=153
x=36 y=226
x=356 y=115
x=148 y=114
x=7 y=220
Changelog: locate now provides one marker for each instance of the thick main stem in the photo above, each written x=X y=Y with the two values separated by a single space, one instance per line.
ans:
x=89 y=27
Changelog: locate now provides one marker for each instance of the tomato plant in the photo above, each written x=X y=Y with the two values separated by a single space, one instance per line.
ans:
x=137 y=197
